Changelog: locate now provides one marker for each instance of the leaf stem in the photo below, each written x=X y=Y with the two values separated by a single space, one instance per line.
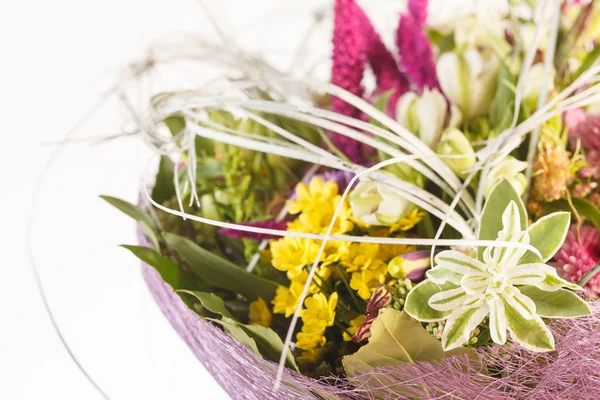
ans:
x=589 y=275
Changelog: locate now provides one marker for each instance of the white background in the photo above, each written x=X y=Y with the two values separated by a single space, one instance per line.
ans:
x=56 y=59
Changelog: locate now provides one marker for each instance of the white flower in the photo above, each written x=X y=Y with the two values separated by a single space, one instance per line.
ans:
x=455 y=143
x=510 y=169
x=375 y=204
x=468 y=79
x=423 y=115
x=512 y=290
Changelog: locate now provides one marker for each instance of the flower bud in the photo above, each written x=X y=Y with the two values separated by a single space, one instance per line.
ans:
x=455 y=143
x=510 y=169
x=410 y=265
x=423 y=115
x=375 y=204
x=468 y=79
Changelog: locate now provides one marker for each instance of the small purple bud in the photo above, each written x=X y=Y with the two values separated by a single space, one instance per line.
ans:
x=410 y=265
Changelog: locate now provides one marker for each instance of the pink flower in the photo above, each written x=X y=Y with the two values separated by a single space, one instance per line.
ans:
x=578 y=254
x=586 y=129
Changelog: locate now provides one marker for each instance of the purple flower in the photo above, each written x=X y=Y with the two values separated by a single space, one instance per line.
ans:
x=270 y=224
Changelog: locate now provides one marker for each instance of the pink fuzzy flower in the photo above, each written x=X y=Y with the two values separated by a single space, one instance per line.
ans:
x=578 y=254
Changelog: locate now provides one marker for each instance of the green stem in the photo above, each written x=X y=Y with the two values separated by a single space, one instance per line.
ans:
x=331 y=146
x=352 y=294
x=589 y=275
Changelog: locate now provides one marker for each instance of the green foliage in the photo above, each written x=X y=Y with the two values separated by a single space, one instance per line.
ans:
x=417 y=301
x=219 y=272
x=502 y=107
x=585 y=209
x=262 y=341
x=547 y=235
x=560 y=304
x=147 y=223
x=491 y=218
x=168 y=270
x=164 y=188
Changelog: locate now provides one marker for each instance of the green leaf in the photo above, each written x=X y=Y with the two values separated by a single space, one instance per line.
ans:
x=547 y=235
x=396 y=338
x=532 y=334
x=585 y=209
x=269 y=344
x=164 y=188
x=491 y=218
x=234 y=329
x=211 y=302
x=559 y=304
x=504 y=95
x=168 y=270
x=148 y=226
x=417 y=301
x=219 y=272
x=175 y=123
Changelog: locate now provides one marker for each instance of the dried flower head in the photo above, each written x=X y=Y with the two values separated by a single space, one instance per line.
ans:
x=553 y=173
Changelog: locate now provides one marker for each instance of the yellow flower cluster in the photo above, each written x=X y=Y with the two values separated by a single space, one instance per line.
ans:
x=318 y=314
x=362 y=266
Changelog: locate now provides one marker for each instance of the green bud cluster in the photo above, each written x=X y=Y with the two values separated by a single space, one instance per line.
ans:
x=399 y=292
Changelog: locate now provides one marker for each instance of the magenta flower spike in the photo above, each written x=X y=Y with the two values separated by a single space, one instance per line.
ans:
x=355 y=42
x=416 y=55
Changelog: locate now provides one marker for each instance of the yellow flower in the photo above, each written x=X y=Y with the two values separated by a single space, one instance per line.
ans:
x=313 y=356
x=336 y=251
x=318 y=218
x=408 y=222
x=362 y=256
x=354 y=324
x=323 y=273
x=365 y=281
x=387 y=252
x=286 y=299
x=310 y=340
x=259 y=313
x=291 y=254
x=319 y=312
x=308 y=197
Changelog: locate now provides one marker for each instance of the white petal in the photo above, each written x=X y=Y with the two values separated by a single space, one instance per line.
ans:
x=527 y=274
x=497 y=321
x=474 y=285
x=511 y=221
x=448 y=299
x=460 y=324
x=459 y=262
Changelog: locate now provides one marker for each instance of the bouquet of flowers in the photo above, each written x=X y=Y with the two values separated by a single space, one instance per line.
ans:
x=434 y=236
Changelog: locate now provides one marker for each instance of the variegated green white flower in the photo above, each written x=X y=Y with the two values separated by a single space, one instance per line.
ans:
x=510 y=285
